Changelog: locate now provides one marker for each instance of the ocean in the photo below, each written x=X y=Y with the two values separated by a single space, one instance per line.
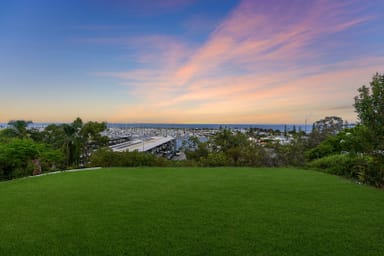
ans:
x=280 y=127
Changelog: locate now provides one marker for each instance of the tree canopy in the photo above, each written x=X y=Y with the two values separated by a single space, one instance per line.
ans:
x=369 y=106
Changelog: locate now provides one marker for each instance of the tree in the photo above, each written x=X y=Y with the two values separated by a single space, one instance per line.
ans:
x=369 y=106
x=330 y=125
x=17 y=129
x=231 y=144
x=321 y=129
x=54 y=135
x=72 y=144
x=196 y=149
x=224 y=140
x=20 y=127
x=7 y=134
x=91 y=138
x=17 y=158
x=76 y=140
x=357 y=140
x=50 y=159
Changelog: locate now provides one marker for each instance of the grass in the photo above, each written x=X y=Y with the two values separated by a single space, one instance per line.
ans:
x=190 y=211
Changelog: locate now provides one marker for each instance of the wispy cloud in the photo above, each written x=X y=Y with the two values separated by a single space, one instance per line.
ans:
x=262 y=63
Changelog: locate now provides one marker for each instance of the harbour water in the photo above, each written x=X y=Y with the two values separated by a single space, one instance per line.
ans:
x=281 y=127
x=181 y=132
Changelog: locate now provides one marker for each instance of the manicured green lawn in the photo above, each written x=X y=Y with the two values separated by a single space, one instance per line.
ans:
x=190 y=211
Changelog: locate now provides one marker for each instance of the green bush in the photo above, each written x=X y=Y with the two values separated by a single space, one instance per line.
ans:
x=363 y=168
x=16 y=158
x=340 y=164
x=321 y=150
x=51 y=159
x=136 y=158
x=183 y=163
x=214 y=159
x=105 y=157
x=371 y=172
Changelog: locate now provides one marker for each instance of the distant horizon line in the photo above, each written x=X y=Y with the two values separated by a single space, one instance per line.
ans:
x=174 y=123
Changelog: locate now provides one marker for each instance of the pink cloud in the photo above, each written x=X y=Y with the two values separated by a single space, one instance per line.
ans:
x=257 y=39
x=255 y=66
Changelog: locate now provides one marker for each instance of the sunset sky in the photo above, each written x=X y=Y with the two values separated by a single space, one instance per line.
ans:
x=187 y=61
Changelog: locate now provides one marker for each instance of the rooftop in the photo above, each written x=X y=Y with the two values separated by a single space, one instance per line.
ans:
x=142 y=145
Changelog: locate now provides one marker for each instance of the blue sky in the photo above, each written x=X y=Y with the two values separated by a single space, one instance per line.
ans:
x=187 y=61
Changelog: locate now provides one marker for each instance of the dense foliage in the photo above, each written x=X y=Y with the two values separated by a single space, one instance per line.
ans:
x=369 y=105
x=358 y=152
x=23 y=157
x=105 y=157
x=25 y=151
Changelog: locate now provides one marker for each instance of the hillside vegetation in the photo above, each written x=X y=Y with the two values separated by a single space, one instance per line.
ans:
x=333 y=146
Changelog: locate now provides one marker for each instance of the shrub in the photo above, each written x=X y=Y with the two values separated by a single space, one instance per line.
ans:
x=371 y=172
x=16 y=158
x=321 y=150
x=340 y=164
x=214 y=159
x=136 y=158
x=364 y=168
x=105 y=157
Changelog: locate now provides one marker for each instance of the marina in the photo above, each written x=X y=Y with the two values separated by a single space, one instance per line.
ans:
x=155 y=145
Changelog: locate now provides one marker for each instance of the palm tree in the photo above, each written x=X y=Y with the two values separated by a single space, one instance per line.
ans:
x=73 y=142
x=19 y=127
x=78 y=139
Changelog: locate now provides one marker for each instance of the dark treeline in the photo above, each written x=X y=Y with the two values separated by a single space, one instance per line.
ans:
x=25 y=152
x=332 y=146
